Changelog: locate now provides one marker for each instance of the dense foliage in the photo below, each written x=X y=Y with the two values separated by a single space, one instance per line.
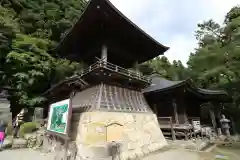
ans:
x=29 y=29
x=161 y=65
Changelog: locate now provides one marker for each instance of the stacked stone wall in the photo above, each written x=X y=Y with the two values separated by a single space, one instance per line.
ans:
x=138 y=133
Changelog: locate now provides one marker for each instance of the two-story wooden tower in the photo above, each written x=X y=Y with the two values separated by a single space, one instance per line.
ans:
x=112 y=106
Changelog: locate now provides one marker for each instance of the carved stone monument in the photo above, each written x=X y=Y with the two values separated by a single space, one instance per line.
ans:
x=38 y=115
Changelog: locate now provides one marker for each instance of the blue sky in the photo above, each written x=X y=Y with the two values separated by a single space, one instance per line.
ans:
x=173 y=22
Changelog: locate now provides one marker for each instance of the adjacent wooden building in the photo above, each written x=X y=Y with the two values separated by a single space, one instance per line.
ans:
x=181 y=102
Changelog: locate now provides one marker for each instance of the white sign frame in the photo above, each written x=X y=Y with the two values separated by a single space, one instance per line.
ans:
x=66 y=115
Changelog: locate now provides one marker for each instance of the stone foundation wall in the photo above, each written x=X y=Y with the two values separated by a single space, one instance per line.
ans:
x=138 y=133
x=57 y=147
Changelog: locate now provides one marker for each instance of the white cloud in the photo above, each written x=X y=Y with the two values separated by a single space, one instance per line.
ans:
x=182 y=46
x=173 y=22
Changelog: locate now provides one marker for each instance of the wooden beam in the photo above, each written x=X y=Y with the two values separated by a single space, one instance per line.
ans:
x=175 y=110
x=185 y=114
x=233 y=126
x=104 y=53
x=155 y=109
x=172 y=130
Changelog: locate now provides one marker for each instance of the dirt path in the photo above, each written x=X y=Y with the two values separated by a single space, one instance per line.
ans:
x=24 y=154
x=28 y=154
x=174 y=154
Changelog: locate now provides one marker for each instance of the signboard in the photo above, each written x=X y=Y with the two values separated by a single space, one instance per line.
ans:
x=114 y=132
x=59 y=116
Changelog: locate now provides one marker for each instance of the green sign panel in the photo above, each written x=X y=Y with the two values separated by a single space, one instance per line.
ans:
x=58 y=117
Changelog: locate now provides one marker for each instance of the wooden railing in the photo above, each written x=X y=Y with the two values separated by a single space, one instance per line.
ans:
x=168 y=121
x=190 y=119
x=112 y=67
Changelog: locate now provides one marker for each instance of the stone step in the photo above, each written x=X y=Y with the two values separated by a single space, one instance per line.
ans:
x=19 y=143
x=7 y=143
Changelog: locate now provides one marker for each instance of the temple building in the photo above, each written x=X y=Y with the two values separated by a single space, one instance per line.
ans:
x=106 y=97
x=111 y=102
x=181 y=102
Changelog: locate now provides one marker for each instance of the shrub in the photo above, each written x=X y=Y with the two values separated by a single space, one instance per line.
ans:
x=27 y=127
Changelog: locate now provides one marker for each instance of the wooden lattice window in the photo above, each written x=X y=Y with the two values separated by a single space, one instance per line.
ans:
x=88 y=97
x=110 y=98
x=122 y=99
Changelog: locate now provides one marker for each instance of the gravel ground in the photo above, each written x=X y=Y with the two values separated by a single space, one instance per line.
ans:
x=174 y=154
x=28 y=154
x=24 y=154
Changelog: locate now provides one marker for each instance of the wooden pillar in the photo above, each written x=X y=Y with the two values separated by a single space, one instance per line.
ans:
x=172 y=130
x=104 y=53
x=185 y=114
x=155 y=109
x=175 y=111
x=233 y=126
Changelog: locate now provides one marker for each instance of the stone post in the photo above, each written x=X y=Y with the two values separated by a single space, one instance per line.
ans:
x=38 y=116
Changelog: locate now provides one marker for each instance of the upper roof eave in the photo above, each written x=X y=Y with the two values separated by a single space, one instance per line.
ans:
x=68 y=34
x=135 y=26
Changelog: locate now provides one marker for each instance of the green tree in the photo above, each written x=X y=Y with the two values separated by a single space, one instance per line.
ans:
x=28 y=31
x=30 y=70
x=46 y=18
x=162 y=66
x=216 y=60
x=179 y=72
x=28 y=67
x=8 y=29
